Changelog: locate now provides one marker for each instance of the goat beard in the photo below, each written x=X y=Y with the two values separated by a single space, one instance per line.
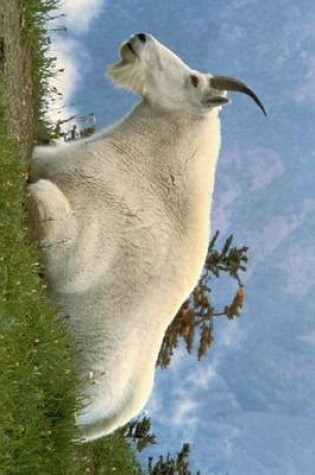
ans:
x=127 y=76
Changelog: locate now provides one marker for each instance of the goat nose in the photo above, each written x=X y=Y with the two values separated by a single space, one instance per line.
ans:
x=142 y=37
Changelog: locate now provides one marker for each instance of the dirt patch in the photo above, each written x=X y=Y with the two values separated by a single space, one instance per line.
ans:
x=15 y=65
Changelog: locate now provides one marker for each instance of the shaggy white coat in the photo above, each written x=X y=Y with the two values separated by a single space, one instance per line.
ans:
x=122 y=220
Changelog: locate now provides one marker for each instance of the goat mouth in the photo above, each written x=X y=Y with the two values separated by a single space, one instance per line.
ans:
x=129 y=46
x=128 y=53
x=216 y=101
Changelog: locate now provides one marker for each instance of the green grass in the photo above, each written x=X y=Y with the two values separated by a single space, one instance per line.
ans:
x=37 y=382
x=37 y=385
x=35 y=14
x=108 y=456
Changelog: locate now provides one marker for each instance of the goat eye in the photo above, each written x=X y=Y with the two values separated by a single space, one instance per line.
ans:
x=194 y=80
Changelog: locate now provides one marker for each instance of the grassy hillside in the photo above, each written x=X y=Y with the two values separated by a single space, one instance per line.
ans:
x=37 y=383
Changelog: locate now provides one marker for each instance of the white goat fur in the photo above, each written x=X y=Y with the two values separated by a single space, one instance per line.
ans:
x=122 y=220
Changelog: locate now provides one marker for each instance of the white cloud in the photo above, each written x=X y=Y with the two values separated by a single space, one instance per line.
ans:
x=80 y=14
x=309 y=338
x=234 y=33
x=65 y=50
x=305 y=93
x=275 y=231
x=299 y=269
x=70 y=53
x=233 y=336
x=295 y=35
x=264 y=166
x=265 y=240
x=228 y=192
x=186 y=410
x=202 y=375
x=258 y=166
x=239 y=3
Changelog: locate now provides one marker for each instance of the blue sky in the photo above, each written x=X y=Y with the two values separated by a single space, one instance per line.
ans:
x=249 y=407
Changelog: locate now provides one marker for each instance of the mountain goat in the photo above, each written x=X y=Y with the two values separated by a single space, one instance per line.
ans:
x=122 y=221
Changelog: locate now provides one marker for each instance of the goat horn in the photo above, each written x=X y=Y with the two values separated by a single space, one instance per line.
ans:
x=226 y=83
